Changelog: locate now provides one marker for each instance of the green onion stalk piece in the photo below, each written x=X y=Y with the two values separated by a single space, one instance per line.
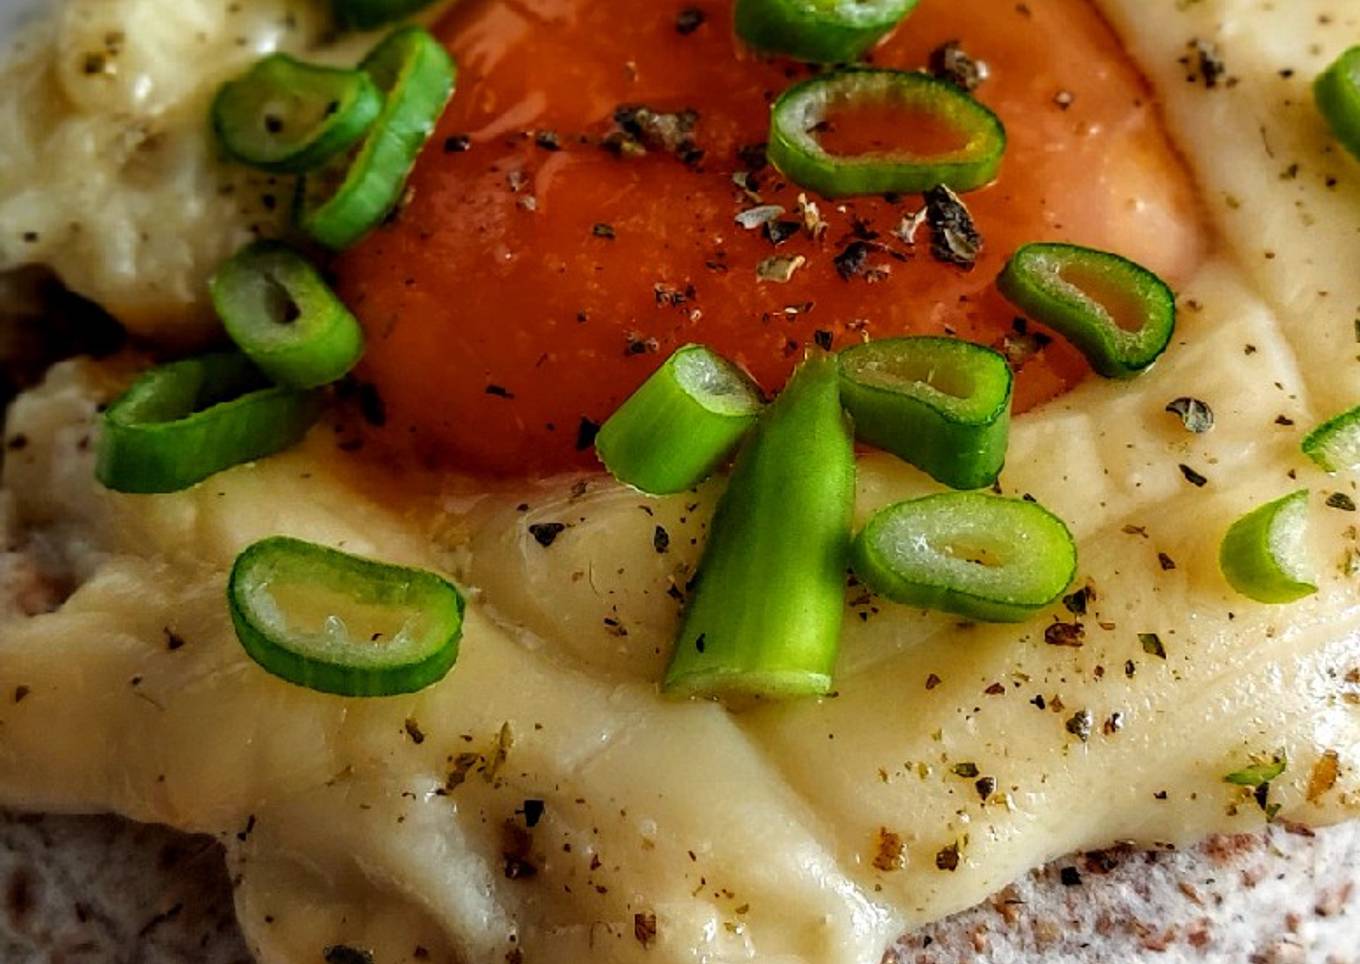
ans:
x=801 y=111
x=340 y=624
x=679 y=427
x=939 y=403
x=974 y=555
x=1337 y=92
x=182 y=422
x=280 y=312
x=1118 y=314
x=288 y=117
x=347 y=198
x=765 y=617
x=1335 y=444
x=819 y=31
x=1263 y=555
x=368 y=14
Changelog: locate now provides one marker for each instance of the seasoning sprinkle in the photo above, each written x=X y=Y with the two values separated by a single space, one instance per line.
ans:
x=950 y=62
x=779 y=268
x=1152 y=645
x=954 y=236
x=1340 y=500
x=1191 y=476
x=1194 y=414
x=546 y=533
x=1065 y=634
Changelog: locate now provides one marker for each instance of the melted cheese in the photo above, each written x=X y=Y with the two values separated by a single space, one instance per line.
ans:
x=106 y=176
x=806 y=832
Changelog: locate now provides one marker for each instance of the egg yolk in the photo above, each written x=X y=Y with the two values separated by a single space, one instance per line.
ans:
x=585 y=207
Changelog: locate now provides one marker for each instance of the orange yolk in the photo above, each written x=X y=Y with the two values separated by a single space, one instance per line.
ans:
x=524 y=291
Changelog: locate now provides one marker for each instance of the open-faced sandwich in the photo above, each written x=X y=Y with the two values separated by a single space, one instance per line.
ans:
x=620 y=480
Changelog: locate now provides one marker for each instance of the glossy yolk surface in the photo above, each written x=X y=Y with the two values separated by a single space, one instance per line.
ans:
x=535 y=278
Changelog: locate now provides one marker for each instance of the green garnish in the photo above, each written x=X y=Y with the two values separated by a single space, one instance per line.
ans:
x=280 y=312
x=340 y=624
x=182 y=422
x=939 y=403
x=347 y=198
x=1263 y=553
x=1260 y=772
x=1335 y=444
x=679 y=427
x=1337 y=91
x=801 y=112
x=820 y=31
x=766 y=614
x=1118 y=314
x=974 y=555
x=367 y=14
x=287 y=117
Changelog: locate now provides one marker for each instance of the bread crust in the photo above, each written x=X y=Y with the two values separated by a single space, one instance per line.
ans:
x=116 y=890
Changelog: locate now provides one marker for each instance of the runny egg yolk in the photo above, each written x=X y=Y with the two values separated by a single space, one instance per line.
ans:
x=534 y=277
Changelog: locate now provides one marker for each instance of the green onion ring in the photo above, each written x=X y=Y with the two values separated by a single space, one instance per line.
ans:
x=820 y=31
x=280 y=312
x=681 y=424
x=287 y=117
x=1262 y=554
x=1085 y=294
x=796 y=151
x=765 y=617
x=340 y=624
x=974 y=555
x=1337 y=92
x=182 y=422
x=1335 y=444
x=939 y=403
x=343 y=201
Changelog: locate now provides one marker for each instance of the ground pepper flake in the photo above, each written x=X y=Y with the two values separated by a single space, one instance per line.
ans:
x=1340 y=500
x=1323 y=775
x=1193 y=477
x=1194 y=414
x=546 y=533
x=1079 y=725
x=947 y=858
x=1152 y=645
x=345 y=954
x=955 y=238
x=644 y=928
x=689 y=20
x=890 y=853
x=950 y=62
x=1065 y=634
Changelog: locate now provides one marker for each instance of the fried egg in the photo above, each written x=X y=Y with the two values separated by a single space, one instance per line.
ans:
x=545 y=802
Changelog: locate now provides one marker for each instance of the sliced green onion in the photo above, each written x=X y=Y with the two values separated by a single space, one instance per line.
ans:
x=341 y=624
x=679 y=427
x=1337 y=92
x=367 y=14
x=821 y=31
x=765 y=618
x=1263 y=554
x=1118 y=314
x=801 y=113
x=1335 y=444
x=288 y=117
x=347 y=198
x=939 y=403
x=974 y=555
x=182 y=422
x=280 y=312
